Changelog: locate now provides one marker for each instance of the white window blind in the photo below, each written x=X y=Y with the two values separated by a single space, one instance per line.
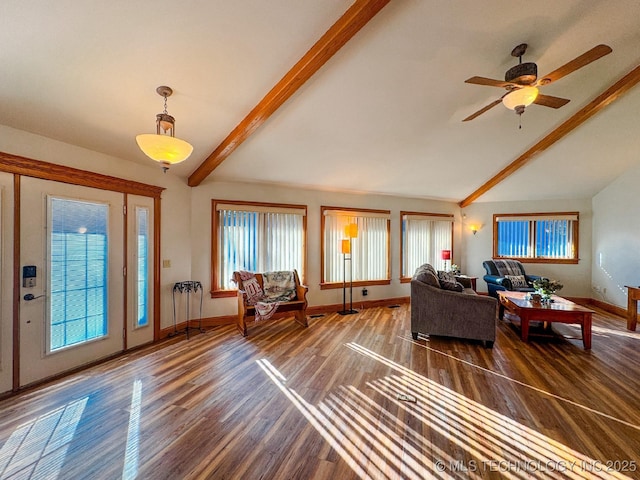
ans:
x=259 y=240
x=142 y=270
x=369 y=250
x=78 y=260
x=423 y=239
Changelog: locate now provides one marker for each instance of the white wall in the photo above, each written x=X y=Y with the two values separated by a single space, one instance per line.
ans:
x=186 y=224
x=175 y=242
x=575 y=278
x=314 y=199
x=616 y=239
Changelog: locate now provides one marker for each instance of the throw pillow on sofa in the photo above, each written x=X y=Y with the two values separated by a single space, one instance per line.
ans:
x=448 y=281
x=427 y=274
x=517 y=281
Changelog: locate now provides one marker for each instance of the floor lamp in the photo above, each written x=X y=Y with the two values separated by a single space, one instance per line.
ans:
x=351 y=231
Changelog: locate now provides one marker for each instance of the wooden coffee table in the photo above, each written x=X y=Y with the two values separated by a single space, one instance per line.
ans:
x=560 y=310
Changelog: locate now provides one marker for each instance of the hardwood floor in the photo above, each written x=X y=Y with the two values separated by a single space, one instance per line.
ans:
x=321 y=403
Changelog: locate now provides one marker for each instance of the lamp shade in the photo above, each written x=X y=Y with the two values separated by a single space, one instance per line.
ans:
x=351 y=230
x=446 y=254
x=164 y=148
x=346 y=246
x=520 y=97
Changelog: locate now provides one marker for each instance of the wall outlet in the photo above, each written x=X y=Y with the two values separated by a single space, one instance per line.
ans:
x=365 y=292
x=166 y=263
x=596 y=288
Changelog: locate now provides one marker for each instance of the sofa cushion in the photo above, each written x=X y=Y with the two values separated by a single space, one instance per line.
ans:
x=448 y=281
x=427 y=274
x=517 y=281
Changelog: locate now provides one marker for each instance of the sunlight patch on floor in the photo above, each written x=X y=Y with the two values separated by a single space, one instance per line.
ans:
x=487 y=440
x=132 y=451
x=523 y=384
x=38 y=449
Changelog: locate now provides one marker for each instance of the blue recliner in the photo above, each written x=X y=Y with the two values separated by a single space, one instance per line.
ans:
x=507 y=275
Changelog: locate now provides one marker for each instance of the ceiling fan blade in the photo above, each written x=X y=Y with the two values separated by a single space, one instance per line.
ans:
x=490 y=82
x=549 y=101
x=586 y=58
x=482 y=110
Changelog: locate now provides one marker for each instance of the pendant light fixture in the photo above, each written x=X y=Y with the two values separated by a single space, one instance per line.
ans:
x=163 y=146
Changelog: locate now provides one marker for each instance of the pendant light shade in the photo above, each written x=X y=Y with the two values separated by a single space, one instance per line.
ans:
x=163 y=146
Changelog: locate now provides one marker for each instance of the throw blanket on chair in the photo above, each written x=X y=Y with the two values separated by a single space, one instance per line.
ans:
x=507 y=267
x=277 y=287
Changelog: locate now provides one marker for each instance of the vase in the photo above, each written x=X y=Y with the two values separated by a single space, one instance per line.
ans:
x=545 y=295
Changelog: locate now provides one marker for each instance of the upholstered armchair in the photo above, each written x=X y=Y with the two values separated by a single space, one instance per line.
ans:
x=507 y=275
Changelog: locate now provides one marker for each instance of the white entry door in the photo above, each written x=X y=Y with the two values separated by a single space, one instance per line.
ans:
x=72 y=295
x=140 y=245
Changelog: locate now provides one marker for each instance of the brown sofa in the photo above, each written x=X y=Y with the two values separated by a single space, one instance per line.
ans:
x=450 y=313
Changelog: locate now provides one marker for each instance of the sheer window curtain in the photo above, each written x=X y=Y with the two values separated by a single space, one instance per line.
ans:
x=368 y=249
x=423 y=240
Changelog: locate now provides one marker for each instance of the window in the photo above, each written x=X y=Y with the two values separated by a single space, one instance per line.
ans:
x=257 y=237
x=142 y=270
x=540 y=237
x=424 y=236
x=78 y=271
x=369 y=249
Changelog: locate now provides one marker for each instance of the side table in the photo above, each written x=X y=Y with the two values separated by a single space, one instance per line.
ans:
x=471 y=279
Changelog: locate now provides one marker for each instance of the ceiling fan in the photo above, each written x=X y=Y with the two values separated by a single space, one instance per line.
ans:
x=522 y=82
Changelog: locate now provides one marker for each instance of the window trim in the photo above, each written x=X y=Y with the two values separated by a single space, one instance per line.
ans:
x=361 y=283
x=560 y=215
x=136 y=324
x=405 y=279
x=215 y=290
x=47 y=273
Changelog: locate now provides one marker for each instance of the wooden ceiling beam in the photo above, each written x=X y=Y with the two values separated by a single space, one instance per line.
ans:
x=611 y=94
x=356 y=17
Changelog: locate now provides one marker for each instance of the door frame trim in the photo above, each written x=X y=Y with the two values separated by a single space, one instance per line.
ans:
x=23 y=166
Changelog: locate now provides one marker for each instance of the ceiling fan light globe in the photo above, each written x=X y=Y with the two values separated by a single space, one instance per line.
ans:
x=524 y=97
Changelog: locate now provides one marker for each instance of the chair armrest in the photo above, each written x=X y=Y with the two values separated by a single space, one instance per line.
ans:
x=301 y=292
x=531 y=278
x=502 y=281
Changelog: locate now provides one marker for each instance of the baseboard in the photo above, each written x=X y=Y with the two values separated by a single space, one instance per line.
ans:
x=318 y=309
x=609 y=308
x=210 y=322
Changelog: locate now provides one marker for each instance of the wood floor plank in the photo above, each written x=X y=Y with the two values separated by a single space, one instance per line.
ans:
x=322 y=402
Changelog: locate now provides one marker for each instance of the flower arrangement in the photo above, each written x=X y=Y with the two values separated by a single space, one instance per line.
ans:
x=455 y=268
x=546 y=287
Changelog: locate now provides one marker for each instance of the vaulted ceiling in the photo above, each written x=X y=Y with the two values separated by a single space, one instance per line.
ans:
x=382 y=115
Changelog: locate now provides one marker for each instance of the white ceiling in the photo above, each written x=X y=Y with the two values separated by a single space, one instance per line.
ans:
x=383 y=115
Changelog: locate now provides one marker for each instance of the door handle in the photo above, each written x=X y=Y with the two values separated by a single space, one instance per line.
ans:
x=29 y=296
